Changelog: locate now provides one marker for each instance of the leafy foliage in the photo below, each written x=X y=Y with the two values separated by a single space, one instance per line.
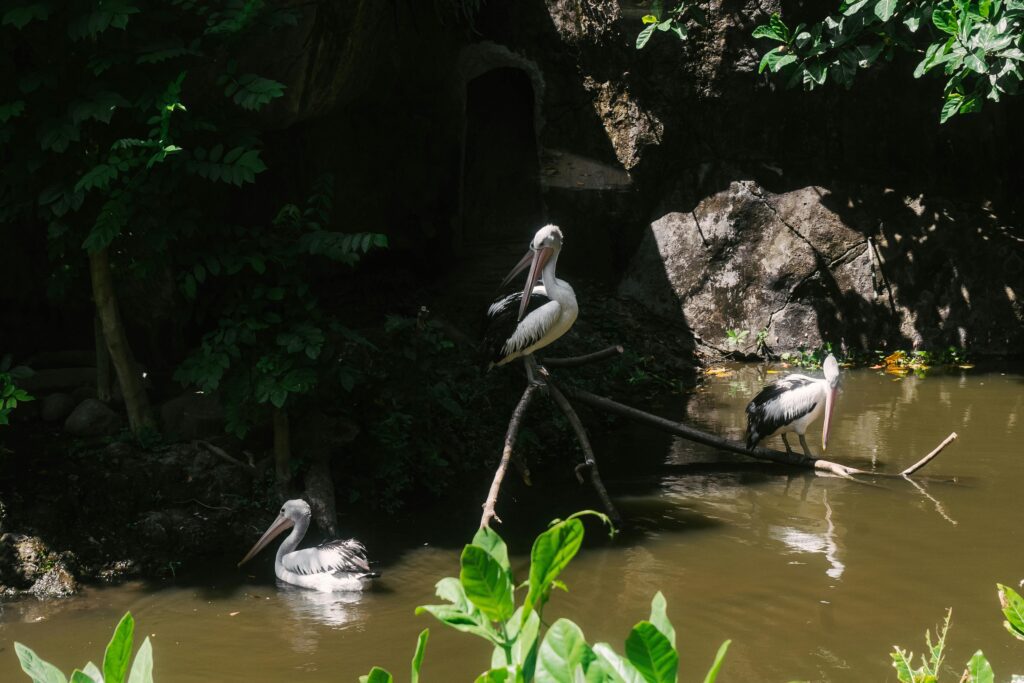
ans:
x=679 y=20
x=978 y=45
x=482 y=602
x=107 y=107
x=272 y=341
x=116 y=661
x=10 y=394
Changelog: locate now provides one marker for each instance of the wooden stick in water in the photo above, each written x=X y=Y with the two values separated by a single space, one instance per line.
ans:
x=928 y=458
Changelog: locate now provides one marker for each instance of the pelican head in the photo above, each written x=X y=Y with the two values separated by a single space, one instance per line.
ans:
x=293 y=512
x=831 y=369
x=545 y=245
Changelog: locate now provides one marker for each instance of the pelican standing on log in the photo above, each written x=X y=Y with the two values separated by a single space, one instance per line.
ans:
x=520 y=323
x=329 y=567
x=791 y=404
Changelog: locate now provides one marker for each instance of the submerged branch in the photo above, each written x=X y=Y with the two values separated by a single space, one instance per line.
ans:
x=506 y=455
x=707 y=439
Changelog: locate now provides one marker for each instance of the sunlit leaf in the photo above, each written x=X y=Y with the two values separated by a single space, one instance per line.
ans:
x=1012 y=605
x=39 y=670
x=652 y=654
x=716 y=666
x=979 y=670
x=561 y=652
x=119 y=651
x=487 y=583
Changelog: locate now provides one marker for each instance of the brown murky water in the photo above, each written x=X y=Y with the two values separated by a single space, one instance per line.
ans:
x=813 y=578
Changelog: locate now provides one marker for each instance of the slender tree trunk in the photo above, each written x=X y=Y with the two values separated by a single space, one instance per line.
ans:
x=103 y=378
x=282 y=450
x=140 y=415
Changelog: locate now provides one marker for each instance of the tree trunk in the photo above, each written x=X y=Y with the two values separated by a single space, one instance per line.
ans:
x=103 y=379
x=140 y=415
x=282 y=451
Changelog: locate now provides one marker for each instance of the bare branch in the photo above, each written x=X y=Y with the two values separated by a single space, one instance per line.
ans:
x=588 y=452
x=699 y=436
x=506 y=455
x=928 y=458
x=221 y=453
x=576 y=361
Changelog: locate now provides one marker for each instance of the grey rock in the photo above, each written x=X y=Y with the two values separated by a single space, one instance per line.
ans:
x=22 y=558
x=797 y=267
x=56 y=407
x=92 y=418
x=58 y=582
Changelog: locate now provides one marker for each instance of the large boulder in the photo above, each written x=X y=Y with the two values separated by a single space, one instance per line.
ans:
x=57 y=582
x=865 y=268
x=92 y=417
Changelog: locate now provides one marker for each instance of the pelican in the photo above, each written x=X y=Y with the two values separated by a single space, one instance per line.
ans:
x=520 y=323
x=791 y=404
x=329 y=567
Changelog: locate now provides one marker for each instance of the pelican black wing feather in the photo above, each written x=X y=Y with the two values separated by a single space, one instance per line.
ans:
x=329 y=557
x=768 y=411
x=501 y=322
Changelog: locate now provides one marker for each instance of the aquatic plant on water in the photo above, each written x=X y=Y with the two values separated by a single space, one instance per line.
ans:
x=482 y=601
x=116 y=660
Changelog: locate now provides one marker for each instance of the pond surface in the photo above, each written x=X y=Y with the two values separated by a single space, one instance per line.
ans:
x=813 y=578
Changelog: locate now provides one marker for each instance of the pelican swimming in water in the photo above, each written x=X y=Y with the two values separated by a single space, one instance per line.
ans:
x=329 y=567
x=791 y=404
x=523 y=322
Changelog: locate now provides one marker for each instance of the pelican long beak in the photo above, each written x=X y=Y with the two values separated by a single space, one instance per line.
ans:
x=830 y=400
x=280 y=524
x=537 y=260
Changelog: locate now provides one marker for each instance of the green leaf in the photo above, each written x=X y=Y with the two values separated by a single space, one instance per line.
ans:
x=945 y=21
x=551 y=552
x=979 y=670
x=417 y=658
x=659 y=618
x=561 y=653
x=951 y=107
x=717 y=665
x=775 y=59
x=20 y=17
x=252 y=92
x=119 y=651
x=775 y=29
x=486 y=583
x=11 y=110
x=644 y=36
x=618 y=666
x=99 y=176
x=142 y=667
x=113 y=217
x=815 y=72
x=649 y=19
x=93 y=672
x=460 y=620
x=652 y=654
x=975 y=61
x=38 y=670
x=81 y=677
x=489 y=540
x=500 y=675
x=377 y=675
x=884 y=9
x=1012 y=605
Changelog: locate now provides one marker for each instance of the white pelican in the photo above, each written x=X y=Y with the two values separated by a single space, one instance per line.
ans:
x=520 y=323
x=331 y=566
x=791 y=404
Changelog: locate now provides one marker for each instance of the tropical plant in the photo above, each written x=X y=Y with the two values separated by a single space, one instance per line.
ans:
x=978 y=45
x=679 y=20
x=978 y=669
x=1012 y=605
x=735 y=337
x=482 y=602
x=272 y=342
x=116 y=661
x=100 y=147
x=10 y=394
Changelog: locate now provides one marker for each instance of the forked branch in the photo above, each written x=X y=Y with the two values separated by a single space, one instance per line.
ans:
x=506 y=455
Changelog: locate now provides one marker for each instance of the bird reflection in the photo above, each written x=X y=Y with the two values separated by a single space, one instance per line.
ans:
x=821 y=543
x=311 y=611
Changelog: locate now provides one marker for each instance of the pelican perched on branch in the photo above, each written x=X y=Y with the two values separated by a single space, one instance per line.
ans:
x=791 y=404
x=331 y=566
x=523 y=322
